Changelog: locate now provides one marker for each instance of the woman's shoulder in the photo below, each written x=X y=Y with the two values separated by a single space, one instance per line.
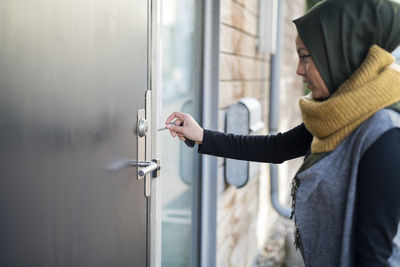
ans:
x=378 y=124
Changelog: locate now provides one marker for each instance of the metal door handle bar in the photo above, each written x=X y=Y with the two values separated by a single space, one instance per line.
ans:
x=148 y=166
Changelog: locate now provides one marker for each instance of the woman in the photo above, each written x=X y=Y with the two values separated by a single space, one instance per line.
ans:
x=346 y=195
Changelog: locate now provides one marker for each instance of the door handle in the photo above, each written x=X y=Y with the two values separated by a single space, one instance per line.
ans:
x=152 y=167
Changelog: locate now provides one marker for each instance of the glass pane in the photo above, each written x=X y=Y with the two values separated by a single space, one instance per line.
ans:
x=181 y=44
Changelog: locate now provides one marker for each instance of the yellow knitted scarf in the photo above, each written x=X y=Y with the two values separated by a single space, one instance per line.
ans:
x=373 y=86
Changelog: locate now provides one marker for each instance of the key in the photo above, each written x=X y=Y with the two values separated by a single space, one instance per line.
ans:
x=188 y=142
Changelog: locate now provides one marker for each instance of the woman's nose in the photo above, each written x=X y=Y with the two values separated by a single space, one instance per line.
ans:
x=300 y=69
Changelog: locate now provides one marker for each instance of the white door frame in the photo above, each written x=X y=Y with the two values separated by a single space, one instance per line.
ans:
x=155 y=78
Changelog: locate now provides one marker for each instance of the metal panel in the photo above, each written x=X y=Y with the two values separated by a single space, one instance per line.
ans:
x=72 y=77
x=208 y=226
x=237 y=122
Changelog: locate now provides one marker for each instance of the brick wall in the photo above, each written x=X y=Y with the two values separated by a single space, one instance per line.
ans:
x=245 y=215
x=243 y=72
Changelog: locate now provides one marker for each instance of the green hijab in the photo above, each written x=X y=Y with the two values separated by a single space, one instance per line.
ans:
x=338 y=34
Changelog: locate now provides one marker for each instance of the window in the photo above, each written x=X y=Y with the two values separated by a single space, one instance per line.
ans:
x=181 y=43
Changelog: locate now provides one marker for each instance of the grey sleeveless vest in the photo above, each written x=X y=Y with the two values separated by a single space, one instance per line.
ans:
x=325 y=199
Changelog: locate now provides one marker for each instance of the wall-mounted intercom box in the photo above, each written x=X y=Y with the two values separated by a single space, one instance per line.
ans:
x=243 y=118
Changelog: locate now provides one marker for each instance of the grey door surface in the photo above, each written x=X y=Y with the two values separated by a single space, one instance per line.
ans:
x=72 y=76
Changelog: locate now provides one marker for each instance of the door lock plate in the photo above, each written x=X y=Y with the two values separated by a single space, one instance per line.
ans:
x=141 y=139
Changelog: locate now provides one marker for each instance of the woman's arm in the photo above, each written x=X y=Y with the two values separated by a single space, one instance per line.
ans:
x=262 y=148
x=378 y=201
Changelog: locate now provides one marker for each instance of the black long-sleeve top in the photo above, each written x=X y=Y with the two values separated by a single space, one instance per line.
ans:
x=378 y=182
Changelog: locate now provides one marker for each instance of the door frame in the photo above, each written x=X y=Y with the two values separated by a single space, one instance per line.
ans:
x=208 y=171
x=154 y=81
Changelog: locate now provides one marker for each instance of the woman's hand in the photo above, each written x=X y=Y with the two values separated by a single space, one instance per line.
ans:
x=185 y=127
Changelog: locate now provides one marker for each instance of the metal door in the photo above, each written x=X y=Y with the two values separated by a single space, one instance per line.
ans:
x=73 y=75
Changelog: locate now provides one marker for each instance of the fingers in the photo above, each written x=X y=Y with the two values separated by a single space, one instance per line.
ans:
x=174 y=115
x=170 y=118
x=179 y=135
x=172 y=133
x=184 y=127
x=175 y=128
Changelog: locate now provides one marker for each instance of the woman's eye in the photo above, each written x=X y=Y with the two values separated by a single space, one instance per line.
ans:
x=303 y=58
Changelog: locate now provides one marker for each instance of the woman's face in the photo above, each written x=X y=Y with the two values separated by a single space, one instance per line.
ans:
x=310 y=73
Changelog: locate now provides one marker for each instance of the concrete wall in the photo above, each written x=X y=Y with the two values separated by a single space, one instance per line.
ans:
x=245 y=216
